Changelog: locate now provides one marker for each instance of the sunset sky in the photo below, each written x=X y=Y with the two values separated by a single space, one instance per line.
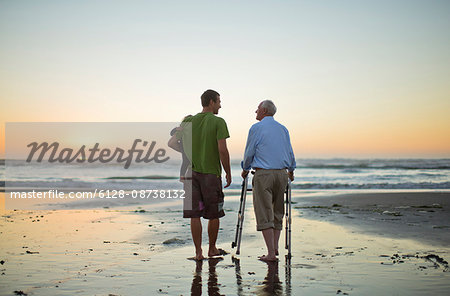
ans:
x=349 y=78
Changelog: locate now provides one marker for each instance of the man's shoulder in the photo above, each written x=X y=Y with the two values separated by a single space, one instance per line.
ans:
x=217 y=117
x=264 y=124
x=256 y=128
x=188 y=118
x=276 y=123
x=280 y=125
x=195 y=119
x=202 y=115
x=218 y=120
x=256 y=125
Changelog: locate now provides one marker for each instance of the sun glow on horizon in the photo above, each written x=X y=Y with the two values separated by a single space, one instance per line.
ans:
x=349 y=79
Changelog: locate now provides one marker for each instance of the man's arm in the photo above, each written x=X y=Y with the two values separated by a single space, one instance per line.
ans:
x=293 y=163
x=250 y=149
x=225 y=159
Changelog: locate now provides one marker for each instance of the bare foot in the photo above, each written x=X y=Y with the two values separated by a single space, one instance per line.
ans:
x=266 y=258
x=216 y=252
x=197 y=258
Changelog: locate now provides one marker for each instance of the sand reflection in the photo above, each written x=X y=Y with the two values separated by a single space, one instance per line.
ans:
x=272 y=285
x=213 y=284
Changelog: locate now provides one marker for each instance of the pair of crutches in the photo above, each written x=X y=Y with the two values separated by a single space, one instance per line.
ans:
x=240 y=222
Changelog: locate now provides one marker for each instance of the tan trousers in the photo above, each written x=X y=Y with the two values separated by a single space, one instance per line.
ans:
x=269 y=187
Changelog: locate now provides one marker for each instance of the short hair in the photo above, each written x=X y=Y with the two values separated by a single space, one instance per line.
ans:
x=209 y=95
x=270 y=106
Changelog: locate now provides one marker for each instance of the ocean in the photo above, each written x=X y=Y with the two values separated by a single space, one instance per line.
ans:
x=310 y=174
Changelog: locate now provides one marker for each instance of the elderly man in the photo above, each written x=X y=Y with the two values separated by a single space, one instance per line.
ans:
x=269 y=153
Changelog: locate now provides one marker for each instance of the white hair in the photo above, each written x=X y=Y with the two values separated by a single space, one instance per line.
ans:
x=270 y=106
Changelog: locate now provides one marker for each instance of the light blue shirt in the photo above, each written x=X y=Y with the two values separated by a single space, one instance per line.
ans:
x=268 y=147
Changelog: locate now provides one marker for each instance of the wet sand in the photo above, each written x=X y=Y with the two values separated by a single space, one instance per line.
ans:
x=143 y=250
x=423 y=216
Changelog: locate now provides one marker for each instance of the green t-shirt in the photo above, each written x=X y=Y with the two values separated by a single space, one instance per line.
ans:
x=206 y=130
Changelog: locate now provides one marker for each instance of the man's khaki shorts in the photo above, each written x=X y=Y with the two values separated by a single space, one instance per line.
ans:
x=269 y=187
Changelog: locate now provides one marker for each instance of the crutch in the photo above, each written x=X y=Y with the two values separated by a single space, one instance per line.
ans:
x=288 y=220
x=240 y=222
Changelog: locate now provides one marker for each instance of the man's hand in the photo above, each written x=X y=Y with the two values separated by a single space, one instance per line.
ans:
x=175 y=144
x=291 y=176
x=244 y=174
x=228 y=178
x=225 y=159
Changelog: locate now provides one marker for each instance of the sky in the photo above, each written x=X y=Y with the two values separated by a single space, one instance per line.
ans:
x=349 y=78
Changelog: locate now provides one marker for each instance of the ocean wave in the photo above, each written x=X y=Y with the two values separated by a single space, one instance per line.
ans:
x=120 y=184
x=346 y=165
x=166 y=182
x=154 y=177
x=406 y=185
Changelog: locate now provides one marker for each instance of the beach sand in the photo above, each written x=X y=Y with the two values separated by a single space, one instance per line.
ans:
x=422 y=216
x=351 y=244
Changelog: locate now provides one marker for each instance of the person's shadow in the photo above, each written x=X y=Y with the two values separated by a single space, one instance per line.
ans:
x=213 y=286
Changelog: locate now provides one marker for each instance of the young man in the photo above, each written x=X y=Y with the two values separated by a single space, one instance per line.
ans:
x=209 y=151
x=269 y=153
